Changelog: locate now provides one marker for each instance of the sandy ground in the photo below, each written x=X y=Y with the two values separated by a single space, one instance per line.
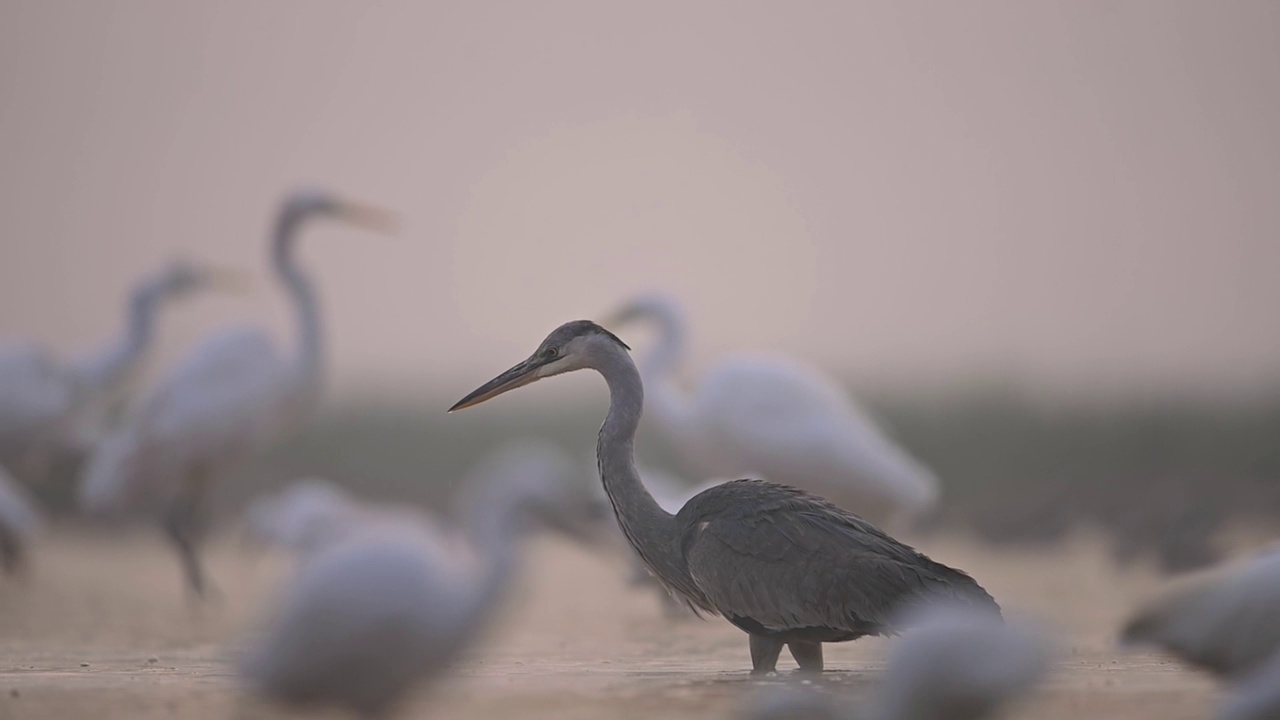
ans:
x=101 y=629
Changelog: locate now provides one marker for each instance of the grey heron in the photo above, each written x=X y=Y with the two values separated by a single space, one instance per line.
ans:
x=786 y=567
x=232 y=396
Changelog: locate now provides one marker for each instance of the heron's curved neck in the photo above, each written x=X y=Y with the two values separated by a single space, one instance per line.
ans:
x=309 y=358
x=650 y=529
x=114 y=364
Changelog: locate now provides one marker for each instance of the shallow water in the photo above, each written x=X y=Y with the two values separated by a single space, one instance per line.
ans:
x=101 y=629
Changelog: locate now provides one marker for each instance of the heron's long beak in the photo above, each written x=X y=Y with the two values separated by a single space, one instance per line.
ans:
x=518 y=376
x=368 y=216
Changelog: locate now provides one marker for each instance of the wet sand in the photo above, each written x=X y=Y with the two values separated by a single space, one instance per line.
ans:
x=101 y=629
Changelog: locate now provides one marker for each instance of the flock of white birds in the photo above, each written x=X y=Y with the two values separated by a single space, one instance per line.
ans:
x=384 y=598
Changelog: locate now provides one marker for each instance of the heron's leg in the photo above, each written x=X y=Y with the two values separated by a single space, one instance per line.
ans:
x=764 y=654
x=12 y=556
x=182 y=524
x=808 y=655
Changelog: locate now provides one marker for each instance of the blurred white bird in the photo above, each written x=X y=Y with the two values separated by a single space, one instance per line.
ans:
x=312 y=513
x=19 y=522
x=233 y=396
x=956 y=663
x=383 y=610
x=1225 y=620
x=293 y=518
x=578 y=515
x=770 y=418
x=953 y=664
x=1256 y=696
x=47 y=405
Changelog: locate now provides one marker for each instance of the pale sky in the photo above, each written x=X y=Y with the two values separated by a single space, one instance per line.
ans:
x=1077 y=197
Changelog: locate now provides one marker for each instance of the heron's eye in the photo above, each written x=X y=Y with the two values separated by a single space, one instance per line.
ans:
x=551 y=352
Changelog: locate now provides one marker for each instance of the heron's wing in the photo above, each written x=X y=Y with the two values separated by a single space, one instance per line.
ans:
x=36 y=394
x=792 y=425
x=221 y=399
x=772 y=558
x=213 y=407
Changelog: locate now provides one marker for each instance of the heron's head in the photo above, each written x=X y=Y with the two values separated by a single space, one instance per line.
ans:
x=320 y=203
x=572 y=346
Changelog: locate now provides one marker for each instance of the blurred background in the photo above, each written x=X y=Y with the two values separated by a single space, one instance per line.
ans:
x=1038 y=239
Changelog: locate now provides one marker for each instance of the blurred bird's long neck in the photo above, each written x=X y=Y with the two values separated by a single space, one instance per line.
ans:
x=109 y=367
x=309 y=358
x=670 y=405
x=650 y=529
x=493 y=525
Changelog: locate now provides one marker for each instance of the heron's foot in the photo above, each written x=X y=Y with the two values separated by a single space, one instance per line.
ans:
x=808 y=656
x=764 y=654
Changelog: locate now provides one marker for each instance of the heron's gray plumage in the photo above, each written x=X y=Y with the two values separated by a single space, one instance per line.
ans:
x=785 y=566
x=775 y=560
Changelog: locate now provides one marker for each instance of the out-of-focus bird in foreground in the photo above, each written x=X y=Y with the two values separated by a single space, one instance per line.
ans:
x=47 y=405
x=772 y=418
x=295 y=518
x=384 y=609
x=953 y=664
x=1256 y=696
x=788 y=568
x=577 y=515
x=233 y=396
x=1225 y=620
x=957 y=664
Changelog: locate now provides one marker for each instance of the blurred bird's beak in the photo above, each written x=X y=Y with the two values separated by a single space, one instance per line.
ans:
x=518 y=376
x=369 y=217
